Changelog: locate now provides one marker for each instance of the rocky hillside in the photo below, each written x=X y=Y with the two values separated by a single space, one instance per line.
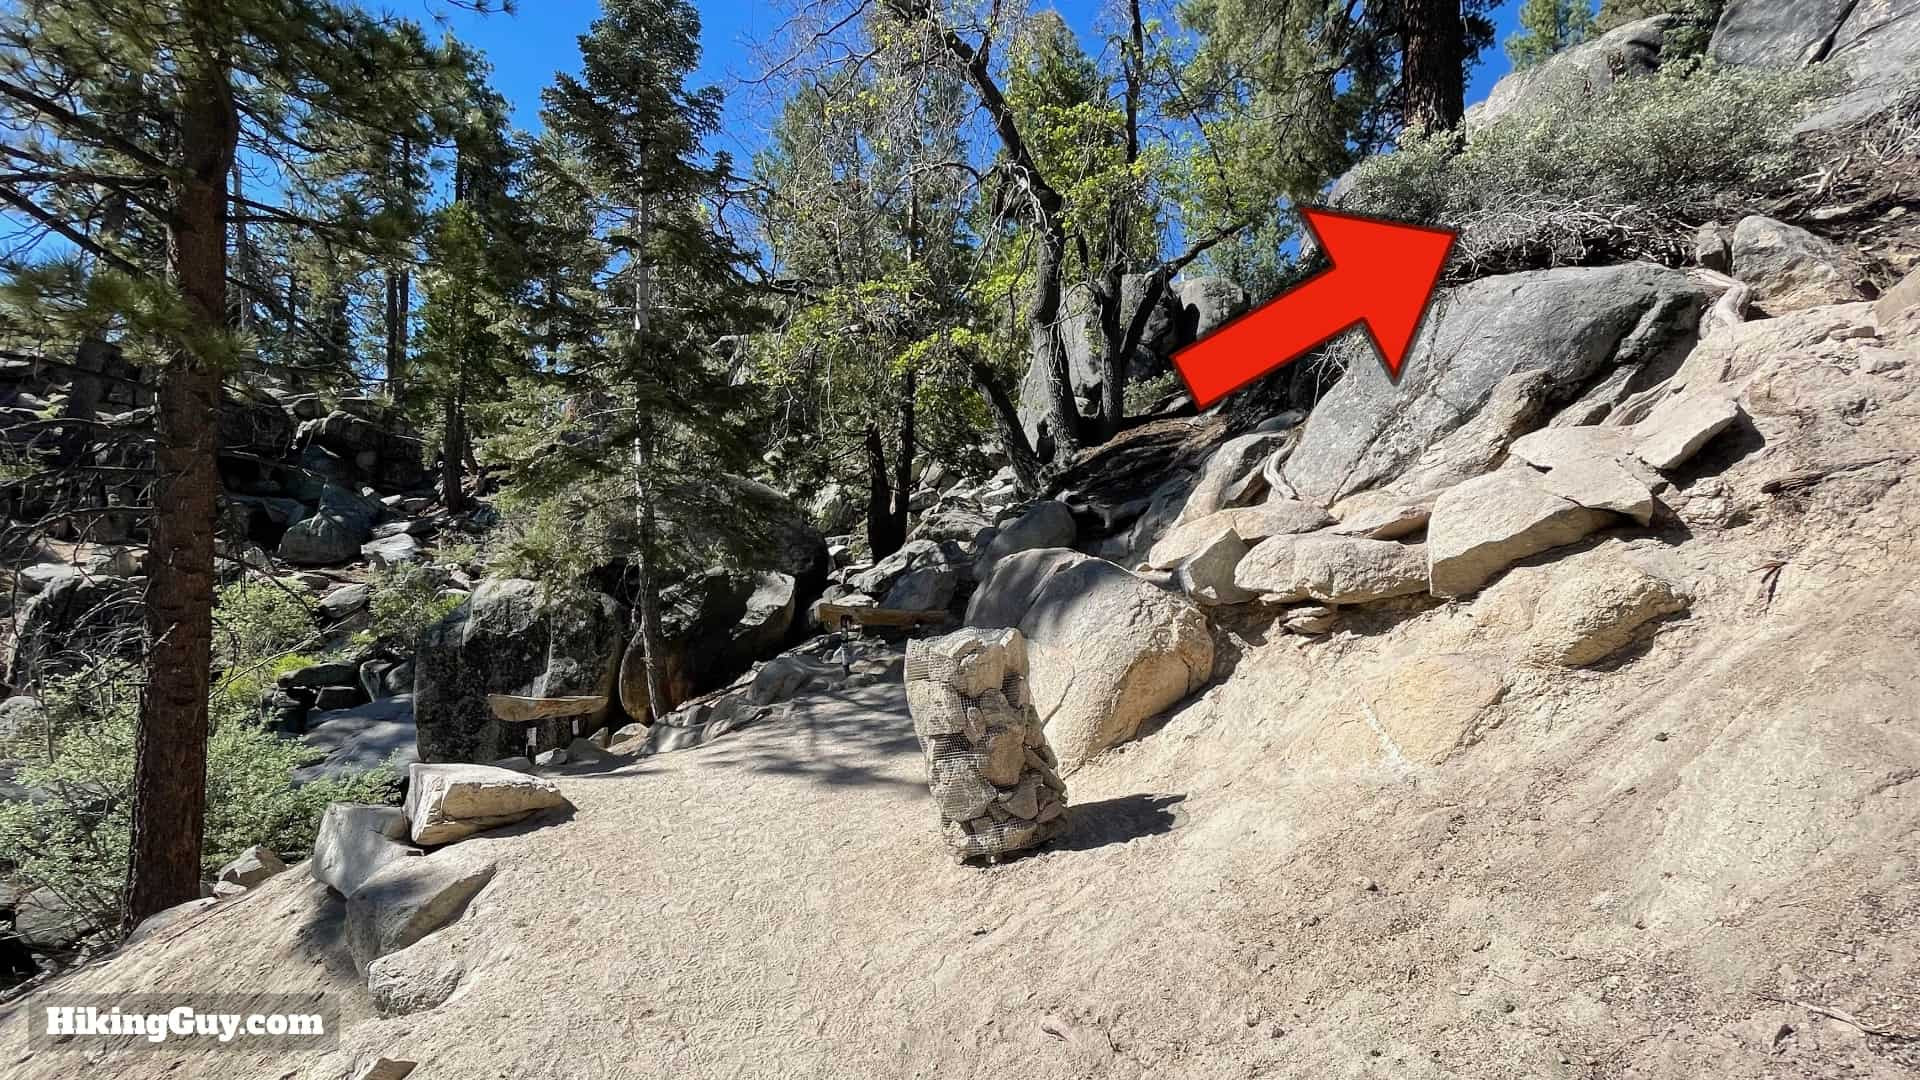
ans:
x=1583 y=747
x=1550 y=712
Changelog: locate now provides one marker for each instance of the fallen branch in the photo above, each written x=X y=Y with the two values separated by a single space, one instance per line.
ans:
x=1806 y=478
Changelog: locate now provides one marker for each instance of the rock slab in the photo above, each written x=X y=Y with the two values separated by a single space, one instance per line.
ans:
x=354 y=842
x=446 y=803
x=407 y=900
x=1487 y=524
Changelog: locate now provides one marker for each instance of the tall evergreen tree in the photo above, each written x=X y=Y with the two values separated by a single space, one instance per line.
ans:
x=207 y=83
x=1546 y=27
x=639 y=366
x=471 y=335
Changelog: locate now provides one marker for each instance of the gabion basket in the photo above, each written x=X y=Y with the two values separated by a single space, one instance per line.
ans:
x=993 y=777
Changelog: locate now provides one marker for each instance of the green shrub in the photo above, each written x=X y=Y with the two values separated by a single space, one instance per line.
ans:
x=1143 y=394
x=257 y=626
x=1573 y=180
x=405 y=600
x=254 y=619
x=555 y=540
x=76 y=841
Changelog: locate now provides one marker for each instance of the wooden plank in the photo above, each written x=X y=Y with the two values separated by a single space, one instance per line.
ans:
x=840 y=614
x=514 y=709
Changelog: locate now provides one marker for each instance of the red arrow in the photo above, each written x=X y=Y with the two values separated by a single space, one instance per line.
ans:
x=1383 y=275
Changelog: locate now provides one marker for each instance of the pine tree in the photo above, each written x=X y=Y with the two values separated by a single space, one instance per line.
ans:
x=475 y=283
x=219 y=81
x=645 y=394
x=1548 y=26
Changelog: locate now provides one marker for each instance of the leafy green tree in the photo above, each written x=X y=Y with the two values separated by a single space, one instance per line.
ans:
x=1074 y=216
x=862 y=199
x=142 y=113
x=1548 y=26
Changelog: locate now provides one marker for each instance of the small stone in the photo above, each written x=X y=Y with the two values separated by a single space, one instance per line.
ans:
x=1310 y=619
x=1024 y=803
x=1659 y=736
x=958 y=789
x=386 y=1069
x=254 y=866
x=585 y=751
x=551 y=759
x=1003 y=753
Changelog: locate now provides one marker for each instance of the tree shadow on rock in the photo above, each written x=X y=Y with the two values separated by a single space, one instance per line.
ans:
x=1116 y=821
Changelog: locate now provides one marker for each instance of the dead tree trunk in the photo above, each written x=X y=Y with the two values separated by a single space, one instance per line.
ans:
x=882 y=535
x=1027 y=470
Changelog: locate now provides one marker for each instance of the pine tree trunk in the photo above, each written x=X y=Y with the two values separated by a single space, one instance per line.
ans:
x=399 y=290
x=170 y=751
x=1432 y=78
x=403 y=296
x=391 y=319
x=453 y=444
x=646 y=570
x=647 y=573
x=242 y=254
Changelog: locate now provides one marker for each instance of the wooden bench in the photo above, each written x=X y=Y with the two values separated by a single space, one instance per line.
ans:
x=544 y=723
x=868 y=617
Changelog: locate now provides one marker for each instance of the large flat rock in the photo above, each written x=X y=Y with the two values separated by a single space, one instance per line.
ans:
x=1572 y=324
x=446 y=803
x=1487 y=524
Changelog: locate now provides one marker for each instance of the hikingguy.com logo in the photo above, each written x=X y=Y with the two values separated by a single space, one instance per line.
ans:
x=196 y=1020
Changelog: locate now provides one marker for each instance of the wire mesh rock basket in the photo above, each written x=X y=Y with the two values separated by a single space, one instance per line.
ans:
x=993 y=777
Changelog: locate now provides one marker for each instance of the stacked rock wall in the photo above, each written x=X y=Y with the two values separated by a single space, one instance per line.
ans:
x=992 y=774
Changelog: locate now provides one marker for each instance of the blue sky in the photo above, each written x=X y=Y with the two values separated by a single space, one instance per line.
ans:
x=527 y=48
